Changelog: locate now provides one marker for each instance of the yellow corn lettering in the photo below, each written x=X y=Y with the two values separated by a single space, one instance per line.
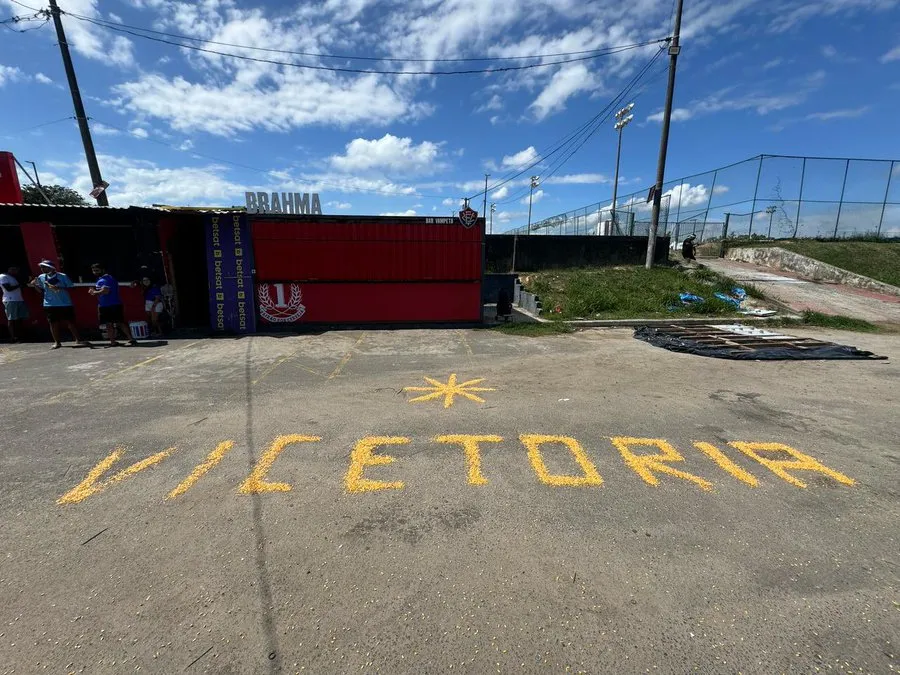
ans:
x=211 y=460
x=471 y=446
x=647 y=466
x=363 y=455
x=780 y=467
x=533 y=443
x=92 y=484
x=726 y=464
x=256 y=482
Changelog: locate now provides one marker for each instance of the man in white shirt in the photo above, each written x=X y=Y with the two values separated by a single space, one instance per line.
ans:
x=13 y=302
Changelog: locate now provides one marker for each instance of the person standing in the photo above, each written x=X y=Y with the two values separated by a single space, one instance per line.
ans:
x=109 y=305
x=13 y=302
x=153 y=305
x=57 y=302
x=687 y=248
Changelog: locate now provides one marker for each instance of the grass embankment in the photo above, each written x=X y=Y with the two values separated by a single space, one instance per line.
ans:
x=629 y=293
x=877 y=260
x=835 y=321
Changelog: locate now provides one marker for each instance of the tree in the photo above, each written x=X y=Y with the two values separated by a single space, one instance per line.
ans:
x=57 y=194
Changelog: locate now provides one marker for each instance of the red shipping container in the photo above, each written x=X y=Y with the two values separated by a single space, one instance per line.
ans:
x=367 y=249
x=334 y=303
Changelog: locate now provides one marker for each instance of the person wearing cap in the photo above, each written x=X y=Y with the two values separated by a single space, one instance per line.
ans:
x=109 y=305
x=57 y=302
x=13 y=302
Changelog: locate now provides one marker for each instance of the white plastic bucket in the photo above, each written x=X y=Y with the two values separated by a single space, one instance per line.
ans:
x=139 y=329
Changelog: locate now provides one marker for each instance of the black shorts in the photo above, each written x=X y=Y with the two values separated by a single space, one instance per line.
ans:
x=55 y=314
x=111 y=314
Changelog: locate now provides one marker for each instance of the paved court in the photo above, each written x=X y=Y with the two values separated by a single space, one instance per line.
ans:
x=433 y=501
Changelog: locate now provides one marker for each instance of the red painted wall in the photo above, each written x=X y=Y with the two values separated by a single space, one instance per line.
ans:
x=376 y=302
x=10 y=190
x=368 y=270
x=366 y=250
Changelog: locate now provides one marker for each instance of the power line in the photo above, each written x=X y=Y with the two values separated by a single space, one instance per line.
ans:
x=338 y=69
x=44 y=124
x=599 y=51
x=266 y=171
x=583 y=133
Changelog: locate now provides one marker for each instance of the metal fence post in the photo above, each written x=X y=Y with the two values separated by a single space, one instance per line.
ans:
x=755 y=192
x=724 y=235
x=800 y=198
x=837 y=221
x=631 y=224
x=887 y=191
x=712 y=189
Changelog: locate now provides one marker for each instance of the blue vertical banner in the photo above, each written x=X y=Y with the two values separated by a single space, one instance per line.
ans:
x=229 y=259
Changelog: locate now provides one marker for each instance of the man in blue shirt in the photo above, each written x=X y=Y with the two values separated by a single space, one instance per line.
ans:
x=57 y=303
x=110 y=309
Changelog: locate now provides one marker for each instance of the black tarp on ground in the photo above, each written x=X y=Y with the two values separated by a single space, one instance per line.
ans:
x=660 y=337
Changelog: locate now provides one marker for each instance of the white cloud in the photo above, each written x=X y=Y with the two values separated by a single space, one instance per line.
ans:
x=501 y=193
x=138 y=132
x=388 y=153
x=788 y=15
x=339 y=206
x=100 y=129
x=142 y=182
x=762 y=103
x=115 y=17
x=520 y=159
x=43 y=79
x=408 y=212
x=186 y=145
x=845 y=113
x=294 y=99
x=580 y=179
x=450 y=201
x=892 y=55
x=565 y=83
x=494 y=103
x=9 y=74
x=774 y=63
x=535 y=197
x=89 y=40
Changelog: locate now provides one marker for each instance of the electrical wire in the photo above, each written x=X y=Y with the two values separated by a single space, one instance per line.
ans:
x=582 y=134
x=44 y=124
x=600 y=51
x=341 y=69
x=388 y=193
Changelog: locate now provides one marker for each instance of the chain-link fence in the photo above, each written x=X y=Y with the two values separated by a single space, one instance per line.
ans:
x=599 y=219
x=767 y=197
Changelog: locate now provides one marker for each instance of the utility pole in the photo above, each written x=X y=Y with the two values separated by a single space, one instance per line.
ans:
x=493 y=208
x=674 y=49
x=535 y=181
x=771 y=211
x=622 y=120
x=93 y=167
x=484 y=204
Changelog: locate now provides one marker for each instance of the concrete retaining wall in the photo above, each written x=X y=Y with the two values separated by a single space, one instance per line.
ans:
x=781 y=259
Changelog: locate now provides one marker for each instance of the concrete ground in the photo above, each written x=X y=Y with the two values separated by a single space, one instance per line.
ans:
x=168 y=509
x=802 y=294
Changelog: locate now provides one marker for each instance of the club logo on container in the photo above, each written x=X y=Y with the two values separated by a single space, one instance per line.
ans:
x=279 y=310
x=468 y=217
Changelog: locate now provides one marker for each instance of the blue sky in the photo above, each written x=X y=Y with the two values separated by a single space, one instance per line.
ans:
x=791 y=77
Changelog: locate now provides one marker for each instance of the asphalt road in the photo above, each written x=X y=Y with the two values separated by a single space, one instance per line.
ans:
x=170 y=509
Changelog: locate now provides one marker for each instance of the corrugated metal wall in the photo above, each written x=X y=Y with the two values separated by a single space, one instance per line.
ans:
x=370 y=270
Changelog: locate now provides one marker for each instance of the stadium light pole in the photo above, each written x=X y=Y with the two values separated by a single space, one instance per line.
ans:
x=674 y=49
x=622 y=119
x=771 y=211
x=491 y=228
x=535 y=181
